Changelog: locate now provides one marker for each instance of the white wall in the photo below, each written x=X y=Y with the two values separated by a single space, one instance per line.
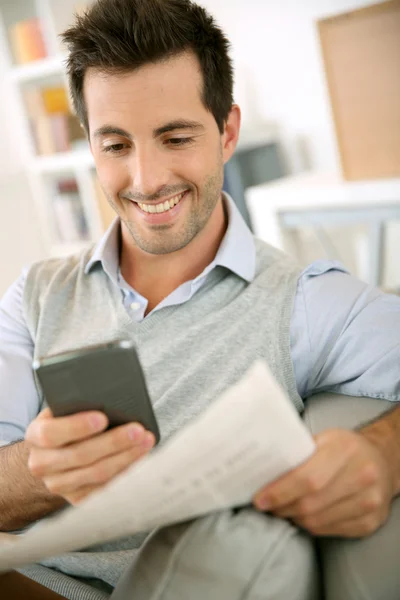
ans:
x=279 y=72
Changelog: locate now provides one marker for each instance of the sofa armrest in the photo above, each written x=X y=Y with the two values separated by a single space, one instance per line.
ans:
x=327 y=410
x=365 y=568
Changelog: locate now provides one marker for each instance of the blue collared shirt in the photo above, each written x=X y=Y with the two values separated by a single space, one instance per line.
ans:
x=345 y=334
x=237 y=253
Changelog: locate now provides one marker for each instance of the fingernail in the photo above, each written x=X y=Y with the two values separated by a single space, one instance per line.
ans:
x=148 y=440
x=96 y=421
x=135 y=432
x=263 y=504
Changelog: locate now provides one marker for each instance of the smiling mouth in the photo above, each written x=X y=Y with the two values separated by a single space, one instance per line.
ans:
x=162 y=206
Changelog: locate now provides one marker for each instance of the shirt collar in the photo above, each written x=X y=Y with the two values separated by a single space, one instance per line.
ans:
x=107 y=251
x=237 y=250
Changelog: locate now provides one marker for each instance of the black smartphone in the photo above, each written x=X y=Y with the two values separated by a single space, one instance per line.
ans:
x=106 y=377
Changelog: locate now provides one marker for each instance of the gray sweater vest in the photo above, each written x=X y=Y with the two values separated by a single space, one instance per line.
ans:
x=190 y=354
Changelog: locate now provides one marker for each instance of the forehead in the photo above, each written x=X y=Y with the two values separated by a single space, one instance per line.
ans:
x=155 y=92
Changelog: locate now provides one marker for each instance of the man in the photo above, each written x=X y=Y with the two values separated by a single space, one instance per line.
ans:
x=180 y=274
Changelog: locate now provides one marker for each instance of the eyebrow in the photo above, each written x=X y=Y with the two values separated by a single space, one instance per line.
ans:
x=178 y=124
x=168 y=127
x=111 y=130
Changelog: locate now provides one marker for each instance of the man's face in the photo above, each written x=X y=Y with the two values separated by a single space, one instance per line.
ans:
x=158 y=151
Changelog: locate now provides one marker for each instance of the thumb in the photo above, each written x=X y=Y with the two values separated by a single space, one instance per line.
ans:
x=45 y=414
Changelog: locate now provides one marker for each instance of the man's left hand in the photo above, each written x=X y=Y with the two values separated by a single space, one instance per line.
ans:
x=345 y=489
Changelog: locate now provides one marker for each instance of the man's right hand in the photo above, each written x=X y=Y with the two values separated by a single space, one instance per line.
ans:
x=74 y=455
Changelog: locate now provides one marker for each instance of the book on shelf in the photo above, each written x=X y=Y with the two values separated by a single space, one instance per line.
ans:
x=69 y=217
x=33 y=101
x=76 y=133
x=54 y=128
x=43 y=136
x=27 y=42
x=59 y=132
x=55 y=100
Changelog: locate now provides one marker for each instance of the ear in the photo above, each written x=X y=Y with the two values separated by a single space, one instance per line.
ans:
x=231 y=133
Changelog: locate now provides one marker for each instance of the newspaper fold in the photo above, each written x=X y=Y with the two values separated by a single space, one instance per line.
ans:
x=247 y=438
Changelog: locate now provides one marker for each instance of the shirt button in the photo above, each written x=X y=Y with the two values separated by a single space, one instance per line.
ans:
x=135 y=306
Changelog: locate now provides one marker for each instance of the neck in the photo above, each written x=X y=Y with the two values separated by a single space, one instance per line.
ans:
x=155 y=276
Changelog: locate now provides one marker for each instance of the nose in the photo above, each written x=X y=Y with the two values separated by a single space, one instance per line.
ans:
x=149 y=172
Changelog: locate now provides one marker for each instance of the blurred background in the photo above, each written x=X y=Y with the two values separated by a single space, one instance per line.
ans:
x=317 y=170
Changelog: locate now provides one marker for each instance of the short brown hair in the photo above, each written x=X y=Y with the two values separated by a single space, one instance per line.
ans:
x=117 y=36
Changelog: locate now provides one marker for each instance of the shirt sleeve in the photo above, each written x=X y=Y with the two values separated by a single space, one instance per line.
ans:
x=19 y=400
x=345 y=335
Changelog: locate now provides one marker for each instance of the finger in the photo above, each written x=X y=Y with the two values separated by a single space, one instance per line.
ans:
x=357 y=478
x=309 y=478
x=44 y=462
x=97 y=474
x=345 y=485
x=82 y=493
x=53 y=432
x=360 y=526
x=358 y=505
x=45 y=414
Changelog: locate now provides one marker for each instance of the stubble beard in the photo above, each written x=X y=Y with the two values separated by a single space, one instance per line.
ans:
x=161 y=240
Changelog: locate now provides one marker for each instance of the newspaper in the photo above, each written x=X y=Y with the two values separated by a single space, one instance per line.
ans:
x=247 y=438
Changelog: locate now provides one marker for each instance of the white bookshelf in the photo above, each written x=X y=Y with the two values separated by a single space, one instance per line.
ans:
x=44 y=171
x=39 y=69
x=62 y=161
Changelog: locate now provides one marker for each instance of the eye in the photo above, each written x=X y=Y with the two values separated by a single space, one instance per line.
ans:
x=179 y=141
x=114 y=148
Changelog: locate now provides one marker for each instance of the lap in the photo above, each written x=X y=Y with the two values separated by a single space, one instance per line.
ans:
x=229 y=555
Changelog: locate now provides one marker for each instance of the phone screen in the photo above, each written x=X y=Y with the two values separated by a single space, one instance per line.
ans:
x=107 y=377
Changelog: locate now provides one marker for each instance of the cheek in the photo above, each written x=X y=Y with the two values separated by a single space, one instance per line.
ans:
x=114 y=177
x=197 y=167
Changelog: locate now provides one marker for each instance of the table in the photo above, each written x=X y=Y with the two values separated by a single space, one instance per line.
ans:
x=319 y=199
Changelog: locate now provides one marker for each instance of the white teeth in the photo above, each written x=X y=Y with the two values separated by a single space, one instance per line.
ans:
x=162 y=207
